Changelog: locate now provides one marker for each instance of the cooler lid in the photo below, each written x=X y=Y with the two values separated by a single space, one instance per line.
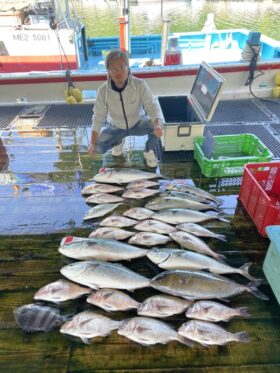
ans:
x=206 y=90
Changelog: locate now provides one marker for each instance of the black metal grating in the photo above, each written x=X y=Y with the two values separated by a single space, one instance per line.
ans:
x=68 y=116
x=239 y=111
x=173 y=156
x=256 y=129
x=275 y=127
x=8 y=114
x=273 y=106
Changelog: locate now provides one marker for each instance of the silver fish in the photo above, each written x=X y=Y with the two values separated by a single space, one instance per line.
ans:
x=112 y=300
x=162 y=306
x=213 y=311
x=138 y=213
x=161 y=203
x=148 y=239
x=194 y=285
x=101 y=188
x=208 y=333
x=197 y=192
x=188 y=196
x=32 y=318
x=101 y=198
x=182 y=259
x=178 y=216
x=98 y=274
x=154 y=226
x=139 y=193
x=148 y=331
x=191 y=242
x=99 y=249
x=117 y=221
x=111 y=233
x=100 y=210
x=122 y=175
x=60 y=291
x=142 y=184
x=88 y=324
x=200 y=231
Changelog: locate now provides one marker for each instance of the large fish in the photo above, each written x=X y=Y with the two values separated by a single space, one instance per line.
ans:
x=101 y=198
x=98 y=249
x=111 y=233
x=183 y=259
x=100 y=210
x=200 y=231
x=197 y=192
x=138 y=213
x=142 y=184
x=98 y=274
x=149 y=239
x=60 y=291
x=154 y=226
x=188 y=196
x=134 y=193
x=122 y=175
x=195 y=285
x=191 y=242
x=112 y=300
x=162 y=306
x=208 y=333
x=32 y=318
x=178 y=216
x=101 y=188
x=117 y=221
x=161 y=203
x=148 y=331
x=89 y=324
x=213 y=311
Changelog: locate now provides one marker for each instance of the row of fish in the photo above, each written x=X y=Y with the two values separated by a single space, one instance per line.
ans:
x=88 y=324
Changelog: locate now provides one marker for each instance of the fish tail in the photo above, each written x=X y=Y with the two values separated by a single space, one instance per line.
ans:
x=221 y=218
x=219 y=201
x=243 y=312
x=184 y=340
x=242 y=337
x=252 y=288
x=221 y=258
x=221 y=237
x=244 y=270
x=215 y=208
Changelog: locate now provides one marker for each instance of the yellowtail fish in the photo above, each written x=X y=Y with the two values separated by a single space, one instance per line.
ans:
x=122 y=175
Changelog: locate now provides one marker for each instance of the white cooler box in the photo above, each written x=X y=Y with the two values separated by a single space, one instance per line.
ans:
x=185 y=116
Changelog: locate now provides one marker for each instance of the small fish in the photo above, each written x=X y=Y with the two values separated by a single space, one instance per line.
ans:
x=213 y=311
x=139 y=193
x=138 y=213
x=122 y=175
x=162 y=306
x=99 y=249
x=142 y=184
x=98 y=275
x=148 y=331
x=154 y=226
x=161 y=203
x=117 y=221
x=101 y=198
x=208 y=333
x=88 y=324
x=200 y=231
x=60 y=291
x=101 y=188
x=191 y=242
x=100 y=210
x=32 y=318
x=111 y=233
x=112 y=300
x=178 y=216
x=148 y=239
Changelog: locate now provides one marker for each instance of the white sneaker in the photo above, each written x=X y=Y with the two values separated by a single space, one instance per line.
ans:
x=151 y=159
x=118 y=149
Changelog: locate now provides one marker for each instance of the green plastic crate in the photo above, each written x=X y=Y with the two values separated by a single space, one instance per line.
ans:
x=230 y=155
x=271 y=265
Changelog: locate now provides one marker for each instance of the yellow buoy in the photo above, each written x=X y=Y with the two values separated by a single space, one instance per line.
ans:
x=277 y=79
x=71 y=100
x=77 y=94
x=276 y=92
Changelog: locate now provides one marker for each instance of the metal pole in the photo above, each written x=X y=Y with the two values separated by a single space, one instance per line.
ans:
x=164 y=39
x=67 y=9
x=125 y=13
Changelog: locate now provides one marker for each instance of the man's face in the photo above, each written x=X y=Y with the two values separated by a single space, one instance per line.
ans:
x=118 y=71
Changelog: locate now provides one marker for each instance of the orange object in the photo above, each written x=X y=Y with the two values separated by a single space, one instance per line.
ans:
x=123 y=22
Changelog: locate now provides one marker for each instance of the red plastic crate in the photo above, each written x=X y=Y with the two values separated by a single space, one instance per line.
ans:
x=260 y=193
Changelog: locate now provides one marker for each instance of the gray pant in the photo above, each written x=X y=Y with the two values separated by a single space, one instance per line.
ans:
x=111 y=136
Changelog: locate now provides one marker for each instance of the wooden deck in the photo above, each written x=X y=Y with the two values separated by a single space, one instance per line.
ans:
x=42 y=175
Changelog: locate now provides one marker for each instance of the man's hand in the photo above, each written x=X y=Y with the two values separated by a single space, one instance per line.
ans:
x=92 y=151
x=158 y=129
